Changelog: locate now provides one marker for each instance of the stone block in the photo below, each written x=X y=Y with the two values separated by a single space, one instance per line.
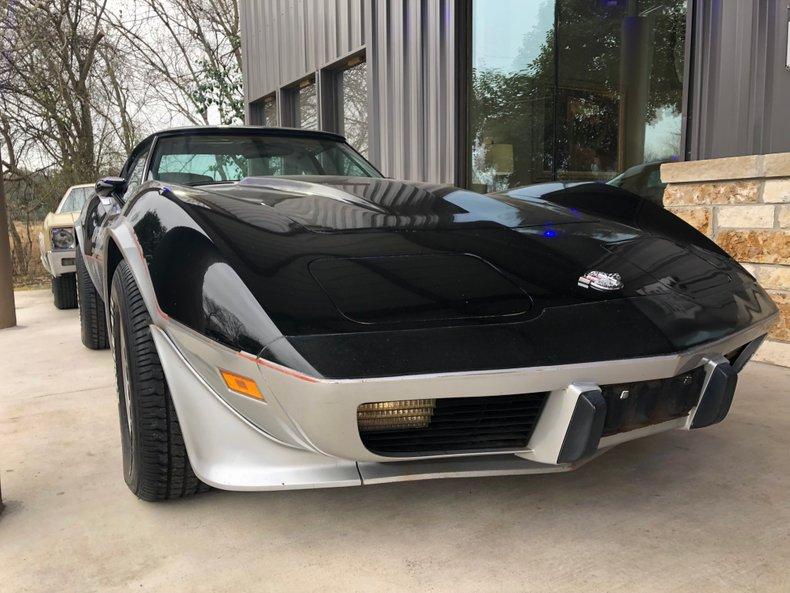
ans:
x=777 y=164
x=699 y=218
x=776 y=191
x=781 y=331
x=740 y=167
x=762 y=247
x=774 y=352
x=728 y=192
x=754 y=217
x=773 y=277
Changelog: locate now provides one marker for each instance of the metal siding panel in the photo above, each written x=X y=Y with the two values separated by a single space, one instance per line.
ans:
x=740 y=86
x=412 y=85
x=343 y=37
x=284 y=40
x=776 y=119
x=411 y=75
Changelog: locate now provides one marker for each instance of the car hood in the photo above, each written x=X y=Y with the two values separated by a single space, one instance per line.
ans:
x=63 y=219
x=346 y=266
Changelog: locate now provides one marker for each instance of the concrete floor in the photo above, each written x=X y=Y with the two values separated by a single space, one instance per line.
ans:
x=703 y=511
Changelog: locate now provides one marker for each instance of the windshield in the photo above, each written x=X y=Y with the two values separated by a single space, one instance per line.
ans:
x=75 y=199
x=209 y=158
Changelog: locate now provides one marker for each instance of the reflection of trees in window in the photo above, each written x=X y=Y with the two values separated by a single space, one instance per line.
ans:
x=270 y=111
x=511 y=107
x=353 y=96
x=610 y=99
x=307 y=107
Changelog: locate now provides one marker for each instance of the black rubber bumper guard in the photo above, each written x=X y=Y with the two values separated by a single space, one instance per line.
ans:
x=589 y=415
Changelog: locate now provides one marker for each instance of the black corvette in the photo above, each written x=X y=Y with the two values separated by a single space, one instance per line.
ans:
x=282 y=316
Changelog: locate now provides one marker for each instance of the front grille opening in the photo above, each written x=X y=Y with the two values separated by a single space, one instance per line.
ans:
x=412 y=428
x=644 y=403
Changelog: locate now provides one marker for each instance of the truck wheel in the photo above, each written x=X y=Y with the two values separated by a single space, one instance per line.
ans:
x=64 y=289
x=93 y=323
x=155 y=462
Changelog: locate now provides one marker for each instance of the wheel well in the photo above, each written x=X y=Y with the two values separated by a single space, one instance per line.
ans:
x=114 y=257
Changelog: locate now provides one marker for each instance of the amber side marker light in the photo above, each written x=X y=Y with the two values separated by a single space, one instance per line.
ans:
x=242 y=385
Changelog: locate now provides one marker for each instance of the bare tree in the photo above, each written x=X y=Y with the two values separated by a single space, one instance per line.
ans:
x=65 y=114
x=50 y=56
x=189 y=53
x=80 y=83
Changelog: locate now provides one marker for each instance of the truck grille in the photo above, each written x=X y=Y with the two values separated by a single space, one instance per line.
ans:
x=642 y=403
x=456 y=424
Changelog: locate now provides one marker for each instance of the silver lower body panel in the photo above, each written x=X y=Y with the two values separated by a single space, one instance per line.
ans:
x=305 y=436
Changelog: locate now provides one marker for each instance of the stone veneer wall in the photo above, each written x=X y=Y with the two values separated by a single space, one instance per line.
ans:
x=743 y=203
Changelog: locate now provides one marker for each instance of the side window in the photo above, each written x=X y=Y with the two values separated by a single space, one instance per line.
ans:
x=335 y=159
x=135 y=177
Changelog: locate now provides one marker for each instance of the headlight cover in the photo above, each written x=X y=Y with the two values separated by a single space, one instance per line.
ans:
x=62 y=237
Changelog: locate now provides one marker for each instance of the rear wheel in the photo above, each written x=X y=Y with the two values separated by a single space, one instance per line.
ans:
x=93 y=322
x=155 y=461
x=64 y=290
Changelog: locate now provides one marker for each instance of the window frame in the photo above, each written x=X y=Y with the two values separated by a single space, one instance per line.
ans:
x=219 y=131
x=289 y=102
x=464 y=31
x=330 y=101
x=258 y=111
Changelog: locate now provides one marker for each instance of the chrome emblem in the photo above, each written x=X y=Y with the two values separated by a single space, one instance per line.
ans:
x=602 y=281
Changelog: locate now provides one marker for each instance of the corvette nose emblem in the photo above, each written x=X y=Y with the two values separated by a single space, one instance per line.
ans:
x=601 y=281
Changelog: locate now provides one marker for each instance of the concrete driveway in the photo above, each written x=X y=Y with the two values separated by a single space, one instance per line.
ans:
x=686 y=511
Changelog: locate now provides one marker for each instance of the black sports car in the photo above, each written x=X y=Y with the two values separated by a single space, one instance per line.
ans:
x=282 y=316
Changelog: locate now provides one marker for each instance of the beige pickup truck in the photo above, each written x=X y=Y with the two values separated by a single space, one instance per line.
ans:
x=56 y=245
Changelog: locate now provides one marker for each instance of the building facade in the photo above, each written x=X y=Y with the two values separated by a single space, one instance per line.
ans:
x=499 y=93
x=494 y=94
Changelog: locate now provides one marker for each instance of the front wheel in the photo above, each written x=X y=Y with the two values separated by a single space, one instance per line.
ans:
x=155 y=462
x=64 y=291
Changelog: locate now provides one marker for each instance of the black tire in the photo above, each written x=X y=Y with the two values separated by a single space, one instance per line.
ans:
x=155 y=462
x=93 y=321
x=64 y=289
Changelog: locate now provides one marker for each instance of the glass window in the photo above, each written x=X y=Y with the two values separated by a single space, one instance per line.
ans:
x=576 y=90
x=263 y=112
x=307 y=106
x=209 y=158
x=75 y=199
x=352 y=95
x=620 y=82
x=270 y=111
x=135 y=177
x=511 y=106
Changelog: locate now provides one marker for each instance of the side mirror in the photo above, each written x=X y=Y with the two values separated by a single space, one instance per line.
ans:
x=110 y=185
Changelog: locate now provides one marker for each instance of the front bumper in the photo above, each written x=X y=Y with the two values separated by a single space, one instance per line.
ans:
x=59 y=262
x=305 y=434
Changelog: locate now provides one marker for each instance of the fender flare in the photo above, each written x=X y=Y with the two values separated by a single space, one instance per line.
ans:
x=121 y=235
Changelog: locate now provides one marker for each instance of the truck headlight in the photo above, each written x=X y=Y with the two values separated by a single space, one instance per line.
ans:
x=62 y=238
